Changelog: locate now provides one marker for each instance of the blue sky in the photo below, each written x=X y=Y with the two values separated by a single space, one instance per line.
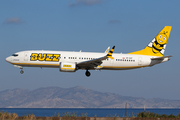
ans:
x=91 y=26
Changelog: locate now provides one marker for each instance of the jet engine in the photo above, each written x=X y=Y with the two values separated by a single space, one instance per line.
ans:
x=67 y=67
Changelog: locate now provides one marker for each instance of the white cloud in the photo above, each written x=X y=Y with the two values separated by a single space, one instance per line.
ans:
x=13 y=20
x=85 y=2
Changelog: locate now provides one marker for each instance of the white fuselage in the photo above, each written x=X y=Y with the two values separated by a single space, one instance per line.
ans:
x=42 y=58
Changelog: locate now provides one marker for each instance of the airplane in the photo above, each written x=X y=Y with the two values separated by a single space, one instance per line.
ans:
x=68 y=61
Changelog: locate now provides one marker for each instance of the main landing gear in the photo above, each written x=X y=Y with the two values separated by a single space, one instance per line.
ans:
x=87 y=73
x=21 y=70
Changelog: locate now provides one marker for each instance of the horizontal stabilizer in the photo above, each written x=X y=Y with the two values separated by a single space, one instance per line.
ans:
x=161 y=58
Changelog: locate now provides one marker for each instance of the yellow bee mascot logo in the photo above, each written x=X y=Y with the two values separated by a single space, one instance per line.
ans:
x=157 y=46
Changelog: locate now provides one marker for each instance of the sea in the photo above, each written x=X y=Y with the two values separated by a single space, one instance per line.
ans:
x=89 y=112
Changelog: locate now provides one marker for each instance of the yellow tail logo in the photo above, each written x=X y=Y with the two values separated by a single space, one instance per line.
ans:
x=157 y=46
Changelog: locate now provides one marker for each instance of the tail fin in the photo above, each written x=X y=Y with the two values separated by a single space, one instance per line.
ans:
x=157 y=46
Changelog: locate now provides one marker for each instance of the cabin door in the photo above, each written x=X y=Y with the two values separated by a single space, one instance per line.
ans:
x=140 y=61
x=25 y=56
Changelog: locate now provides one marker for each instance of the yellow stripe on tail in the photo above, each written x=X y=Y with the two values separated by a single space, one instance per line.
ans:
x=157 y=46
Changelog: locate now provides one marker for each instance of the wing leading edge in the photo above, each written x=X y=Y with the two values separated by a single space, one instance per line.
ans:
x=91 y=64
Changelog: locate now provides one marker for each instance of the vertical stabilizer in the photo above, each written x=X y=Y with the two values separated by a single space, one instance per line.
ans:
x=157 y=46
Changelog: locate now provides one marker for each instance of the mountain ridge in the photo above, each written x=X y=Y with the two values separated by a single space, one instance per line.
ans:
x=76 y=97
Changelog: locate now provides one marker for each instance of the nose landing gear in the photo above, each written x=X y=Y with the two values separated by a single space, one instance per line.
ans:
x=87 y=73
x=20 y=68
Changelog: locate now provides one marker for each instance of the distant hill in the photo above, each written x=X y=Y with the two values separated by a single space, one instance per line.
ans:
x=76 y=97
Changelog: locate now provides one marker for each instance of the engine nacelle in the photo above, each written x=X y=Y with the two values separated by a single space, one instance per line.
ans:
x=67 y=67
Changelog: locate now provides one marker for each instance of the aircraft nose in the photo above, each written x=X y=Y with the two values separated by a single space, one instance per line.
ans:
x=8 y=59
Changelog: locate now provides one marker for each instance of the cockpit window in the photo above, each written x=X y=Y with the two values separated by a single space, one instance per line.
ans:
x=14 y=55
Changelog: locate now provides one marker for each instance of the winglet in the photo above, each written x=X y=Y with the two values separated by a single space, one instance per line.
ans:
x=107 y=50
x=109 y=55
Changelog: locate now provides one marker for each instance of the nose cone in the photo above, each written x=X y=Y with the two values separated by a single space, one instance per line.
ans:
x=8 y=59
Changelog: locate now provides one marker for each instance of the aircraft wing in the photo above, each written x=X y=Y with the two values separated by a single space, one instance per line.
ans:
x=91 y=64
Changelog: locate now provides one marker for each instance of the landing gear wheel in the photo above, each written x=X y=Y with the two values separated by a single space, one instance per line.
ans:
x=21 y=71
x=87 y=73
